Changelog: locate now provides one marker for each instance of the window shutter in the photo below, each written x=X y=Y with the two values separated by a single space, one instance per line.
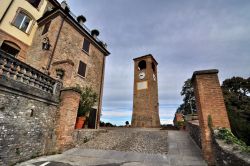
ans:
x=82 y=69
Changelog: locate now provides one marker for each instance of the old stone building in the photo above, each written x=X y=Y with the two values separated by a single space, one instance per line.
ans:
x=18 y=24
x=47 y=36
x=44 y=53
x=145 y=104
x=63 y=43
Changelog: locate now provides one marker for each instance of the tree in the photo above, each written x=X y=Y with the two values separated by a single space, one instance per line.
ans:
x=87 y=101
x=188 y=106
x=236 y=91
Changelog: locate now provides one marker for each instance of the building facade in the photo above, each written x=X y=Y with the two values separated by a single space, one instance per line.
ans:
x=49 y=37
x=145 y=102
x=18 y=24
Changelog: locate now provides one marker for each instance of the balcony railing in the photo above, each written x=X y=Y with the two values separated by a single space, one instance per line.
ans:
x=12 y=68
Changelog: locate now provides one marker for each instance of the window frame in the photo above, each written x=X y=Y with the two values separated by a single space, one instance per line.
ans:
x=85 y=69
x=84 y=41
x=31 y=22
x=12 y=45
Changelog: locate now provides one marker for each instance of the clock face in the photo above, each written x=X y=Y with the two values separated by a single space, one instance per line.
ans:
x=142 y=75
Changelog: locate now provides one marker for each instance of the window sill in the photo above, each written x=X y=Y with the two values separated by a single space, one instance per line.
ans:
x=85 y=52
x=27 y=33
x=83 y=77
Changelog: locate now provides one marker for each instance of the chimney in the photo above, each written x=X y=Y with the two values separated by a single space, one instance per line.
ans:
x=95 y=33
x=65 y=6
x=81 y=19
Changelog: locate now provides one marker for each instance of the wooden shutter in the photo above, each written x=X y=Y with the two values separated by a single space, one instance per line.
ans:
x=82 y=69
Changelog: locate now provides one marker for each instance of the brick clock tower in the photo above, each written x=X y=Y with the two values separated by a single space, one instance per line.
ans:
x=145 y=102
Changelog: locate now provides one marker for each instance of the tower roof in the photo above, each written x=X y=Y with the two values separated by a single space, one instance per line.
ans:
x=146 y=56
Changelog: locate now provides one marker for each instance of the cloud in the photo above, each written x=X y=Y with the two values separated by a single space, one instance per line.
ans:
x=183 y=36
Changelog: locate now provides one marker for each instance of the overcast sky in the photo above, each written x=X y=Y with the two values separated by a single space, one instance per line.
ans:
x=182 y=35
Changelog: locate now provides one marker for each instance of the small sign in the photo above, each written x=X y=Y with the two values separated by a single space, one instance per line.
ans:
x=142 y=85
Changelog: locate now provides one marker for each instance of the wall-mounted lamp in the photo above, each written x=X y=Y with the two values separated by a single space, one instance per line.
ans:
x=45 y=44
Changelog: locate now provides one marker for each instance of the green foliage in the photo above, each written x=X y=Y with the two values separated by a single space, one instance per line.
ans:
x=236 y=91
x=181 y=123
x=87 y=101
x=229 y=138
x=188 y=106
x=108 y=124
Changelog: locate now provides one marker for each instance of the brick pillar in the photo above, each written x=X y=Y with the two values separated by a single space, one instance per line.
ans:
x=67 y=118
x=209 y=101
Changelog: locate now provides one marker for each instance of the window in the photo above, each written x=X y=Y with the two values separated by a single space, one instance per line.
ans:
x=10 y=48
x=34 y=3
x=22 y=22
x=82 y=69
x=142 y=65
x=46 y=27
x=86 y=44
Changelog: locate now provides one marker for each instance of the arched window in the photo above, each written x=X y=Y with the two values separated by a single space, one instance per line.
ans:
x=22 y=21
x=142 y=65
x=10 y=48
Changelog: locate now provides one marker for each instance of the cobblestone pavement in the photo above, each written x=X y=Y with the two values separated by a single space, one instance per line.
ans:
x=181 y=151
x=131 y=139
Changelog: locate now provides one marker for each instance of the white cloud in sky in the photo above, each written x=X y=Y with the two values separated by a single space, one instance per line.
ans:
x=183 y=36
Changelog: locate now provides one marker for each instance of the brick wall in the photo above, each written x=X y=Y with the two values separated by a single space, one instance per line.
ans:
x=66 y=119
x=209 y=102
x=145 y=102
x=24 y=47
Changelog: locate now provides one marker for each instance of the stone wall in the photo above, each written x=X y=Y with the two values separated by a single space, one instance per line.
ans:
x=84 y=135
x=228 y=154
x=194 y=130
x=28 y=109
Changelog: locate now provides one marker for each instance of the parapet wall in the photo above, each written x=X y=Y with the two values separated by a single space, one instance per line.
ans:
x=194 y=130
x=28 y=111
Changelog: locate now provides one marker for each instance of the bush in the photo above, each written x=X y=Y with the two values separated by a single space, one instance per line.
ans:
x=229 y=138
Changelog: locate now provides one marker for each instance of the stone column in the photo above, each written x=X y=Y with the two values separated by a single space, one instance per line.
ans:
x=209 y=103
x=66 y=120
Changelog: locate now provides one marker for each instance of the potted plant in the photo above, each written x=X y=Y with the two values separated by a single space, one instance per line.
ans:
x=87 y=101
x=60 y=73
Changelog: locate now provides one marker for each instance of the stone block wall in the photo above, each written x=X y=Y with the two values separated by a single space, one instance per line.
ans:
x=228 y=155
x=27 y=127
x=194 y=130
x=84 y=135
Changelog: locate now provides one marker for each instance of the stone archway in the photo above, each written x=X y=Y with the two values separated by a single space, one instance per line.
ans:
x=210 y=105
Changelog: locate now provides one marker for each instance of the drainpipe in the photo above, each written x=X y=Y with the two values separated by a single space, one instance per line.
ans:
x=98 y=118
x=6 y=10
x=53 y=51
